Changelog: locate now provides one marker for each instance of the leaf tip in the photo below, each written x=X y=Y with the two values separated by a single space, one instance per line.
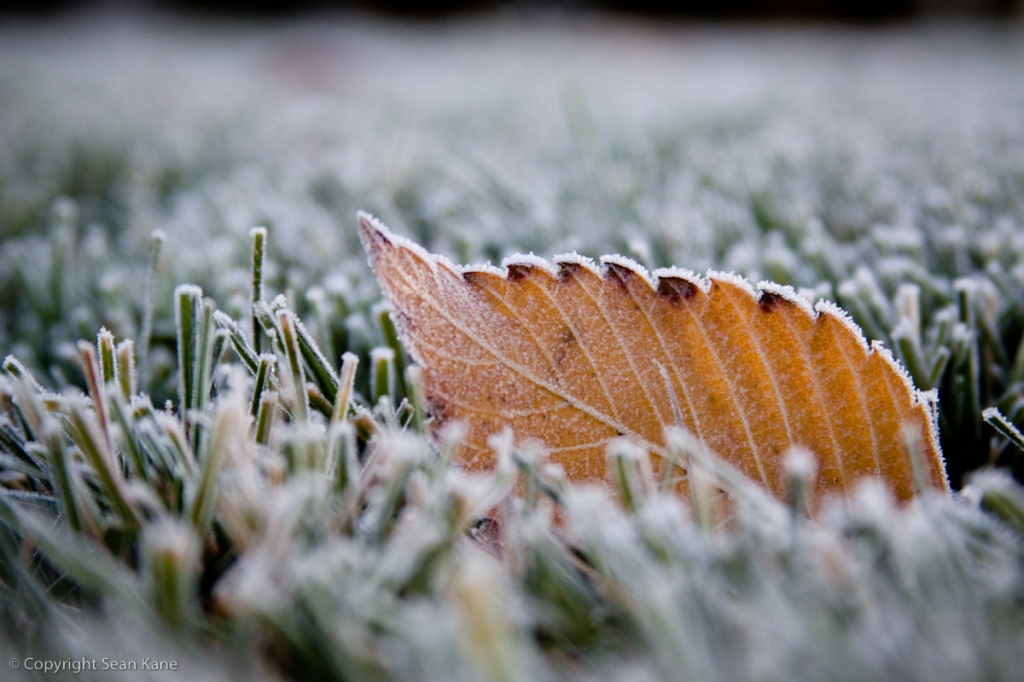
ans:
x=771 y=296
x=676 y=289
x=621 y=269
x=523 y=265
x=472 y=273
x=568 y=264
x=376 y=238
x=731 y=279
x=677 y=284
x=372 y=232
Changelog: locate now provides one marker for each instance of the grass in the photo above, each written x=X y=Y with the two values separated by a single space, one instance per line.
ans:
x=234 y=474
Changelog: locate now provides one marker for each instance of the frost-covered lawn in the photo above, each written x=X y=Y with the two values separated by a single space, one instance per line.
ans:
x=883 y=169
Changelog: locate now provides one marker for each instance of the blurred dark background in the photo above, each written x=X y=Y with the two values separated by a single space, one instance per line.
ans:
x=789 y=10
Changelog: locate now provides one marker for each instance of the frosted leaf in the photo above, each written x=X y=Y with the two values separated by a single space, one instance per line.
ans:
x=574 y=357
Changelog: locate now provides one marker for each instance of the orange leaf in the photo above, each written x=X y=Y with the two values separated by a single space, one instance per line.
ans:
x=574 y=355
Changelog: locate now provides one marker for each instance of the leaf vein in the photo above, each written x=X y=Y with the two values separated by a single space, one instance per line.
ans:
x=808 y=360
x=516 y=367
x=699 y=324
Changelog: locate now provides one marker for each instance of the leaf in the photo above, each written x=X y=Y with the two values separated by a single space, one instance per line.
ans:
x=574 y=355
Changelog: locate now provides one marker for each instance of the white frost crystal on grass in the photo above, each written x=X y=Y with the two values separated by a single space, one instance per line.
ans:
x=800 y=463
x=882 y=169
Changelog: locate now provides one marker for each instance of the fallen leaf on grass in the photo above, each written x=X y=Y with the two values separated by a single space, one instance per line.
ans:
x=576 y=354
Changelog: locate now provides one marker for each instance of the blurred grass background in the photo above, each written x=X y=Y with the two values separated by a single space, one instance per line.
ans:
x=879 y=167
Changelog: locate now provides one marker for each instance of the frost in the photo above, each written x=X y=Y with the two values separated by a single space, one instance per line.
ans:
x=787 y=293
x=801 y=463
x=850 y=167
x=508 y=360
x=381 y=354
x=829 y=308
x=886 y=354
x=684 y=274
x=530 y=261
x=629 y=264
x=486 y=268
x=574 y=258
x=734 y=279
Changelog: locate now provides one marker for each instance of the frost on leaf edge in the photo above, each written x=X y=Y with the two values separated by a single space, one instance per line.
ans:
x=370 y=227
